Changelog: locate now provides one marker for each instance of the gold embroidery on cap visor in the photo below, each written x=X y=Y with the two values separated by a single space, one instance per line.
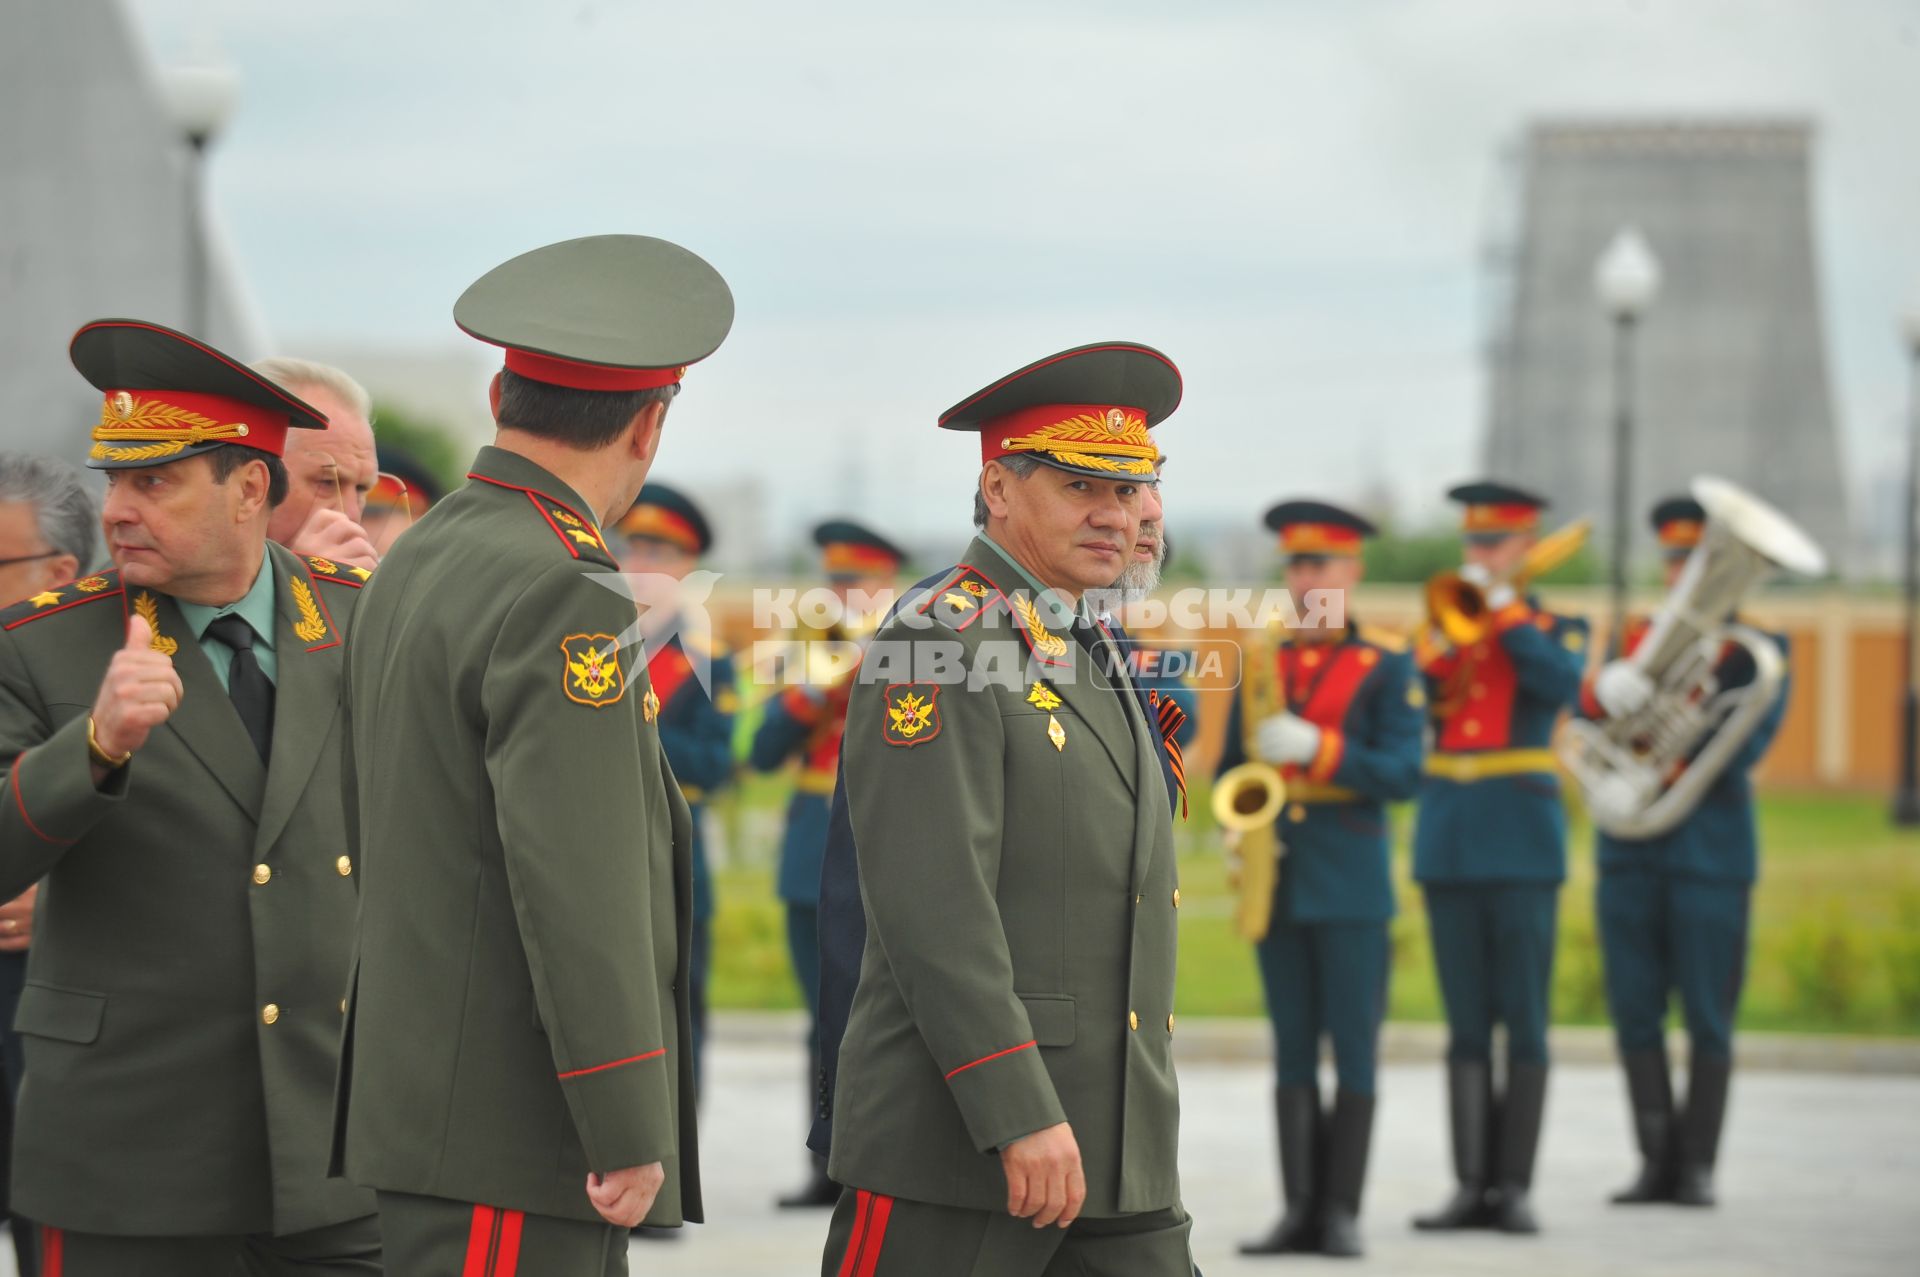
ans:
x=124 y=419
x=592 y=675
x=1091 y=442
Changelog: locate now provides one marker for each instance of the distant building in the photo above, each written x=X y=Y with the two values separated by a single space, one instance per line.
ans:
x=95 y=206
x=1732 y=362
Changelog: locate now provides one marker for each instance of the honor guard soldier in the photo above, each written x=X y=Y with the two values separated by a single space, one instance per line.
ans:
x=1489 y=845
x=1006 y=1101
x=692 y=673
x=519 y=1085
x=1339 y=710
x=171 y=739
x=803 y=725
x=1673 y=919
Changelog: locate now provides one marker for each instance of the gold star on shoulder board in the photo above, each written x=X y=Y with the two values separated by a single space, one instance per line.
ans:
x=46 y=598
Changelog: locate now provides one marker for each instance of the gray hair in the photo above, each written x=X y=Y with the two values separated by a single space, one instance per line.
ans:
x=291 y=374
x=64 y=509
x=1019 y=465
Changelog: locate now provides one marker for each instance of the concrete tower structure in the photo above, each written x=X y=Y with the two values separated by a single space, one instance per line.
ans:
x=1731 y=374
x=95 y=209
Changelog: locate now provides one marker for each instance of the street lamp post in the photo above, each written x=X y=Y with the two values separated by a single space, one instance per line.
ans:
x=201 y=100
x=1906 y=800
x=1626 y=279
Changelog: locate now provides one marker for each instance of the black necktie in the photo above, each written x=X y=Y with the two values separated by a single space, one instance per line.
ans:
x=247 y=683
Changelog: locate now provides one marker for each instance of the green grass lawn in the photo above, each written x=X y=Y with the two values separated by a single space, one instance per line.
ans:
x=1836 y=926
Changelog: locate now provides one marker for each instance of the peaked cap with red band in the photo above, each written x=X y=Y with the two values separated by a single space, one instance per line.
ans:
x=663 y=513
x=1679 y=523
x=1497 y=509
x=1318 y=528
x=169 y=396
x=851 y=549
x=607 y=312
x=1086 y=410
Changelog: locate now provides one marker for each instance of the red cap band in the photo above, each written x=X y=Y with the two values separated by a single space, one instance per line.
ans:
x=151 y=425
x=1510 y=517
x=659 y=524
x=1319 y=538
x=857 y=559
x=555 y=371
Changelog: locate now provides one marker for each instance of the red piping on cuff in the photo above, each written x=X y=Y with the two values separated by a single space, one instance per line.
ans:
x=1326 y=759
x=13 y=778
x=614 y=1064
x=985 y=1058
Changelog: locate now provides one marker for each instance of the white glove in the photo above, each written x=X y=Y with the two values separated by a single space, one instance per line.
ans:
x=1501 y=595
x=1286 y=738
x=1477 y=575
x=1622 y=688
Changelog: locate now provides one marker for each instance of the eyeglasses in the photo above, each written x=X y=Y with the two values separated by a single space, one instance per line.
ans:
x=29 y=558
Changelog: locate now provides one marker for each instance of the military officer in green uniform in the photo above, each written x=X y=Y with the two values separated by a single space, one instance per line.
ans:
x=1006 y=1094
x=1490 y=853
x=171 y=741
x=691 y=671
x=1673 y=912
x=1339 y=710
x=518 y=1083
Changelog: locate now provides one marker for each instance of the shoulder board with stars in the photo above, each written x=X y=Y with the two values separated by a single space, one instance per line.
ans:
x=338 y=573
x=575 y=530
x=961 y=599
x=1383 y=638
x=61 y=598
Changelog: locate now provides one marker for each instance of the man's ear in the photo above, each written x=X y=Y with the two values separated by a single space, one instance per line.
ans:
x=645 y=429
x=994 y=479
x=255 y=485
x=493 y=397
x=61 y=567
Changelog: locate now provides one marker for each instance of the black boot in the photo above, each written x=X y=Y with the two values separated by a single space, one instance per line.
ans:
x=817 y=1191
x=1297 y=1113
x=1700 y=1123
x=1470 y=1112
x=1650 y=1100
x=1521 y=1110
x=1348 y=1139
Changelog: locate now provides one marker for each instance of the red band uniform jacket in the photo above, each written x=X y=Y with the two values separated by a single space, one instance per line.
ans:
x=520 y=1013
x=183 y=1001
x=1017 y=868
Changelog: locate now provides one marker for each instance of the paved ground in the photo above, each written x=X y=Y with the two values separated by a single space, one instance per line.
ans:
x=1821 y=1174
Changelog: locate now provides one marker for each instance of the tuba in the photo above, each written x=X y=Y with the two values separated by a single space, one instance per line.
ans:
x=1247 y=801
x=1645 y=772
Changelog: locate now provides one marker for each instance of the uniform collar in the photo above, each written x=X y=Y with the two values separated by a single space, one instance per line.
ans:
x=255 y=607
x=517 y=471
x=1021 y=579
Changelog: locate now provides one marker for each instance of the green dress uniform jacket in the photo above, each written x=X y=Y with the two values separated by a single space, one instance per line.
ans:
x=520 y=1009
x=190 y=949
x=1017 y=866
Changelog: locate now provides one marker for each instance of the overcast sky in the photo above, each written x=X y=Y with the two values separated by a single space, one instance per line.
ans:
x=910 y=200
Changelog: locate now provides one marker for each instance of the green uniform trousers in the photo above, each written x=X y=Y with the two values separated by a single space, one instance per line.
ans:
x=435 y=1237
x=877 y=1236
x=351 y=1249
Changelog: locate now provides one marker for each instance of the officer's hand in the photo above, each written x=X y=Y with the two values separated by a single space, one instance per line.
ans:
x=140 y=690
x=1045 y=1182
x=1478 y=575
x=330 y=534
x=1622 y=688
x=1286 y=738
x=623 y=1198
x=16 y=921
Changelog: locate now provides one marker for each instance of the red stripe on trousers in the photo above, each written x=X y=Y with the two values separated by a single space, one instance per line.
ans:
x=479 y=1241
x=507 y=1260
x=862 y=1203
x=876 y=1236
x=53 y=1245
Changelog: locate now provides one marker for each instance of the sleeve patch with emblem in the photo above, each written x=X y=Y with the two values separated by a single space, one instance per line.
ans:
x=592 y=675
x=912 y=714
